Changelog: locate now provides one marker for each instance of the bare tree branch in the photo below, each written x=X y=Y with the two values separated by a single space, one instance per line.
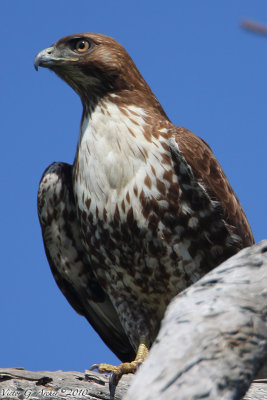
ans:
x=213 y=338
x=18 y=384
x=254 y=27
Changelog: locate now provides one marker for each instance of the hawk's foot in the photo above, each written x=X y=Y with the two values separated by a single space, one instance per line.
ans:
x=116 y=372
x=124 y=368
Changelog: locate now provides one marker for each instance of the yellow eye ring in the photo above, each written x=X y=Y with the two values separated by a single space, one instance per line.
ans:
x=82 y=46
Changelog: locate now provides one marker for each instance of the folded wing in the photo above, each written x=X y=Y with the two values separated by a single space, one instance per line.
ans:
x=68 y=262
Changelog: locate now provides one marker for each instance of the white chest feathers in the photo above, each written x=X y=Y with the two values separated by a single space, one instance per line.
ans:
x=111 y=150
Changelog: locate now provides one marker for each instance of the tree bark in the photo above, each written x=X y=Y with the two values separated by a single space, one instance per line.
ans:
x=18 y=384
x=212 y=343
x=213 y=338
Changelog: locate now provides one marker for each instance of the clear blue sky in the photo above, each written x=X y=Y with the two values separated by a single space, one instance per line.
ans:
x=209 y=75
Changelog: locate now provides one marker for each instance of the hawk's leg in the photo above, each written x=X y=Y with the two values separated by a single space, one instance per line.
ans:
x=124 y=368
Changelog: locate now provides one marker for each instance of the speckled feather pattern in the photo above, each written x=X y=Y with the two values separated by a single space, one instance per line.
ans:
x=149 y=226
x=152 y=210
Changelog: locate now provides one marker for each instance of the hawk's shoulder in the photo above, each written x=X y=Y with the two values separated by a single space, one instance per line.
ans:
x=209 y=172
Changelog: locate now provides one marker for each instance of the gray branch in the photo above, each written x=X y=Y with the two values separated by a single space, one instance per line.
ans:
x=18 y=384
x=213 y=338
x=212 y=343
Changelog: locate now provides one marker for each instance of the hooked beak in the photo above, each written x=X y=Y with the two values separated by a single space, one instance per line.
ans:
x=45 y=58
x=50 y=57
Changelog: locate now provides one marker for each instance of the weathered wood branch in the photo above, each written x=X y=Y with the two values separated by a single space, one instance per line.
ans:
x=18 y=384
x=213 y=338
x=212 y=343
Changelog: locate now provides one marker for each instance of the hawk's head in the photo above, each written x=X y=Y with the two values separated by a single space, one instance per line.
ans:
x=92 y=64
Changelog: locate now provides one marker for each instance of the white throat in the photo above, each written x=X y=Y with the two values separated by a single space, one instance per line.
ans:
x=110 y=151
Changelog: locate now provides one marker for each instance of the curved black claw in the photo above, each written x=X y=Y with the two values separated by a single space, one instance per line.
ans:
x=138 y=365
x=94 y=366
x=113 y=382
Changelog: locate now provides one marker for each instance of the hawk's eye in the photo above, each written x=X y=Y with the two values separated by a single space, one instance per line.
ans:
x=82 y=45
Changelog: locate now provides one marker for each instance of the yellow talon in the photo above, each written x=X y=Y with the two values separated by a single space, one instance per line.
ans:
x=124 y=368
x=127 y=367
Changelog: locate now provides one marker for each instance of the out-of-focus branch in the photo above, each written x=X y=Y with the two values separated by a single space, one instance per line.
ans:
x=254 y=27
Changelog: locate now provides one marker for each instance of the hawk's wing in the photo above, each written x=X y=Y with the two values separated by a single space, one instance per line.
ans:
x=208 y=170
x=206 y=188
x=68 y=262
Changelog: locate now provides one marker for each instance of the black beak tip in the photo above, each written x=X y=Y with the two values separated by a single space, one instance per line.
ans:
x=36 y=62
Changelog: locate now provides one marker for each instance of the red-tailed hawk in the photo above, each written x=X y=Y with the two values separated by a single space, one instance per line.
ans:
x=144 y=211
